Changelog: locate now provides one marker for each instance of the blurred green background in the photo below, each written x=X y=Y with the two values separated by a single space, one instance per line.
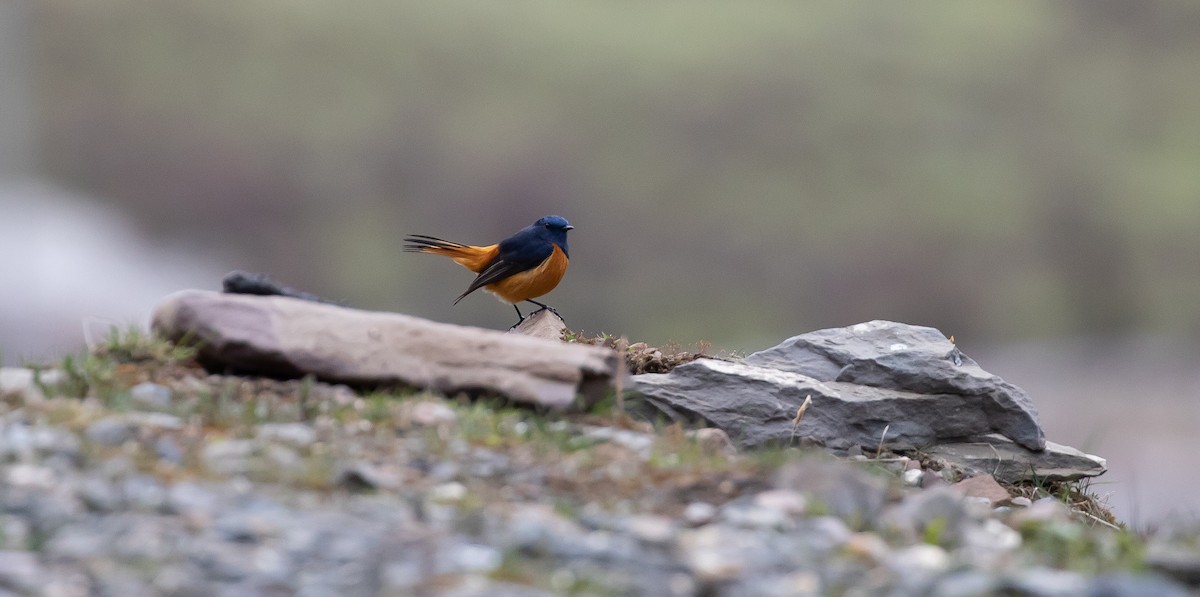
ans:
x=736 y=171
x=1009 y=172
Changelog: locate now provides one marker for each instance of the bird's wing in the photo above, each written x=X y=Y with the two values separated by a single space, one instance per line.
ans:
x=516 y=254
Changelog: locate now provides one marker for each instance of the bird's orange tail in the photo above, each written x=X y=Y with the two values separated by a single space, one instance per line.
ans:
x=469 y=256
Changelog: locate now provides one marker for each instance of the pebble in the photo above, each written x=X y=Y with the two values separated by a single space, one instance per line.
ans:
x=19 y=382
x=1047 y=582
x=366 y=475
x=921 y=558
x=788 y=502
x=448 y=492
x=912 y=477
x=21 y=570
x=155 y=421
x=99 y=495
x=295 y=435
x=168 y=449
x=639 y=443
x=651 y=529
x=475 y=558
x=110 y=431
x=431 y=413
x=229 y=457
x=699 y=513
x=713 y=441
x=150 y=395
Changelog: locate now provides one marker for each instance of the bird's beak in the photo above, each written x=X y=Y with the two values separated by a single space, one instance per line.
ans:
x=569 y=227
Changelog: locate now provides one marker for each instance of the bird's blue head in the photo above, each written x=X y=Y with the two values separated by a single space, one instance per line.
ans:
x=555 y=229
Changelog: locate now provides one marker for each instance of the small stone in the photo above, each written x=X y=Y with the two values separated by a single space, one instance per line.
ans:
x=539 y=529
x=1044 y=510
x=714 y=555
x=193 y=502
x=829 y=531
x=447 y=493
x=788 y=502
x=296 y=435
x=18 y=382
x=912 y=477
x=183 y=581
x=155 y=421
x=712 y=441
x=941 y=509
x=542 y=323
x=169 y=450
x=1127 y=584
x=31 y=476
x=1047 y=582
x=22 y=571
x=429 y=413
x=14 y=532
x=744 y=513
x=144 y=492
x=965 y=583
x=984 y=487
x=54 y=441
x=100 y=495
x=933 y=479
x=989 y=542
x=1021 y=502
x=912 y=465
x=229 y=457
x=699 y=513
x=1179 y=562
x=921 y=558
x=639 y=443
x=850 y=493
x=366 y=475
x=150 y=395
x=251 y=525
x=283 y=459
x=652 y=529
x=110 y=431
x=868 y=546
x=473 y=558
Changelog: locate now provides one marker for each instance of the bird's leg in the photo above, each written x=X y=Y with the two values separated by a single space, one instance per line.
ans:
x=520 y=317
x=545 y=307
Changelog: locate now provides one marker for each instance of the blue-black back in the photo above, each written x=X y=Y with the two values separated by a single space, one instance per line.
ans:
x=523 y=251
x=532 y=245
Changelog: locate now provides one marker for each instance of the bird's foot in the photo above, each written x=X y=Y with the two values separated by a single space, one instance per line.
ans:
x=550 y=309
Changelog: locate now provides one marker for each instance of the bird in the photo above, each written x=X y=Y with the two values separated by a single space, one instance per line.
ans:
x=517 y=269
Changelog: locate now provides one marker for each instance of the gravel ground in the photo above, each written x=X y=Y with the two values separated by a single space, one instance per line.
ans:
x=146 y=477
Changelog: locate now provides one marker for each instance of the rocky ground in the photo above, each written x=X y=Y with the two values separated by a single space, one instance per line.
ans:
x=131 y=471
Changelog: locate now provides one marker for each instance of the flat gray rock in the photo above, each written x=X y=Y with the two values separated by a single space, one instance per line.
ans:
x=282 y=336
x=909 y=358
x=1009 y=463
x=757 y=405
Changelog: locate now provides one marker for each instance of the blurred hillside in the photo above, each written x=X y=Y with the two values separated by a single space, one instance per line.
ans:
x=736 y=172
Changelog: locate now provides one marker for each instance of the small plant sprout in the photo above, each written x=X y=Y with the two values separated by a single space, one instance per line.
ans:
x=800 y=415
x=882 y=437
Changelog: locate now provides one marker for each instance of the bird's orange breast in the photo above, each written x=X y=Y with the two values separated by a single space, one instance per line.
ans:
x=534 y=282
